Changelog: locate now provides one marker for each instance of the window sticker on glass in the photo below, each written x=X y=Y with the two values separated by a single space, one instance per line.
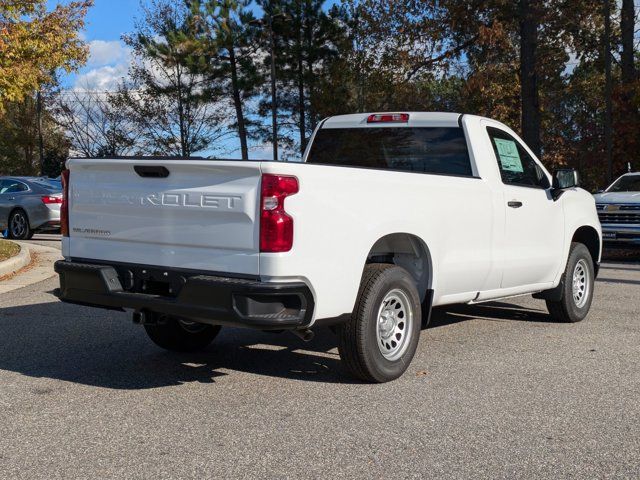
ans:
x=509 y=156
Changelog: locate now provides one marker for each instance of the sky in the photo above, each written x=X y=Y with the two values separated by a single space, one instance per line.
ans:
x=106 y=22
x=109 y=57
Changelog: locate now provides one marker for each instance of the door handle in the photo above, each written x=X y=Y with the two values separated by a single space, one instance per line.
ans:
x=514 y=204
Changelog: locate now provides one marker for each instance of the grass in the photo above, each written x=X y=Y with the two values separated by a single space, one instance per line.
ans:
x=8 y=249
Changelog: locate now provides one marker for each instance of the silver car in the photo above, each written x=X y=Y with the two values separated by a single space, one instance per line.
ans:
x=27 y=205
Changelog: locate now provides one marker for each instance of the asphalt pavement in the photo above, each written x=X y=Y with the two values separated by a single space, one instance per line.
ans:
x=495 y=391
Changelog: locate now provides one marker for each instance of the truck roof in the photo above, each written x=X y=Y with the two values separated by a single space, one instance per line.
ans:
x=416 y=119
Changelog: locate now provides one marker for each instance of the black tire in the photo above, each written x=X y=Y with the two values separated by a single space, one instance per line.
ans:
x=572 y=308
x=358 y=338
x=19 y=228
x=180 y=336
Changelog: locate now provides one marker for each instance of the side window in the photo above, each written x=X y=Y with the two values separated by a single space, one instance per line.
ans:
x=516 y=166
x=12 y=186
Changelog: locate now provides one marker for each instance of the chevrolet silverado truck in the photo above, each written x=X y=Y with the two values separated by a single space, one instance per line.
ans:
x=386 y=216
x=619 y=211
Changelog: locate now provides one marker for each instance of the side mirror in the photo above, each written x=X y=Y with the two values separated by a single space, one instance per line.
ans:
x=564 y=179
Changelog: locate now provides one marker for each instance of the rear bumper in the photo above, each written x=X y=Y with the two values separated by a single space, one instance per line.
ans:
x=204 y=298
x=44 y=218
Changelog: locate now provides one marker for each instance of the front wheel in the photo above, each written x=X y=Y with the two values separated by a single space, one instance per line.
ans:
x=577 y=289
x=380 y=339
x=180 y=335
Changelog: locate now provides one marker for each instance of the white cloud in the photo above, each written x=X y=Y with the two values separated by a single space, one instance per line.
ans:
x=102 y=78
x=107 y=52
x=107 y=65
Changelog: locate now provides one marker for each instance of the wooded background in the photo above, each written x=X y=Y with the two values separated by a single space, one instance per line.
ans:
x=563 y=73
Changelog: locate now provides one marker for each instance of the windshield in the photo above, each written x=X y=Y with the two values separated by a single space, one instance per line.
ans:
x=628 y=183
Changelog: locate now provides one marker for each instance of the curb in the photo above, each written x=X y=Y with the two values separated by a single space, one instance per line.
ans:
x=38 y=271
x=17 y=262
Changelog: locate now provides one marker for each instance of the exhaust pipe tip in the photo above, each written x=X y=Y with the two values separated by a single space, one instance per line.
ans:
x=306 y=335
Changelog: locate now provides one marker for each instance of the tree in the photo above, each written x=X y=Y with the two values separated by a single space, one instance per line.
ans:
x=309 y=44
x=626 y=97
x=227 y=39
x=399 y=45
x=19 y=141
x=166 y=99
x=96 y=127
x=35 y=43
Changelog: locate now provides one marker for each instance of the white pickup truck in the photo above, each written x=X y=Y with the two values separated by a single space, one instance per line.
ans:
x=387 y=215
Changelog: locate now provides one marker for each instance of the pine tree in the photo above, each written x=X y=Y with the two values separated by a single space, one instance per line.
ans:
x=167 y=99
x=226 y=34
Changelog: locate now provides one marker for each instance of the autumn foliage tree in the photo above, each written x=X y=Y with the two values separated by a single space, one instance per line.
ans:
x=35 y=43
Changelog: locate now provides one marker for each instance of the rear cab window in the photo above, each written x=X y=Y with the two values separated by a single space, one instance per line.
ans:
x=432 y=150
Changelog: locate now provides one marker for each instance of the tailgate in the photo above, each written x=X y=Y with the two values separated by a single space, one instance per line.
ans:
x=202 y=216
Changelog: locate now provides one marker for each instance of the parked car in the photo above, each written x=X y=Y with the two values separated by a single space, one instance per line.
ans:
x=28 y=205
x=388 y=215
x=619 y=211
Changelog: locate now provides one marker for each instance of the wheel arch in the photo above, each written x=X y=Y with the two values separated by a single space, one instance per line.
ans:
x=408 y=251
x=589 y=237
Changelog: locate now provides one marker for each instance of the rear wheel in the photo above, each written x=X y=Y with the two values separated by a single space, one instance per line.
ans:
x=180 y=335
x=577 y=289
x=380 y=339
x=19 y=228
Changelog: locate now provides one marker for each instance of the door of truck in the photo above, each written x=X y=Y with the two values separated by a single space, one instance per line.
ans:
x=534 y=222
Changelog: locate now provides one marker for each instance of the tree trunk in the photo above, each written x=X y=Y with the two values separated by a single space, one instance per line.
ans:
x=310 y=61
x=608 y=115
x=237 y=102
x=627 y=27
x=301 y=100
x=184 y=148
x=529 y=96
x=39 y=126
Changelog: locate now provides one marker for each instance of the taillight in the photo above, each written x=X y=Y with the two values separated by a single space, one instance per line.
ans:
x=388 y=118
x=64 y=207
x=276 y=227
x=51 y=199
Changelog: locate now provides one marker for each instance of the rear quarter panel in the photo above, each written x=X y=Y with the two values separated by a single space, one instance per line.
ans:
x=340 y=212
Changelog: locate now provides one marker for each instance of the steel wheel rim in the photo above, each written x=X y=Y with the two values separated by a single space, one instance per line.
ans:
x=393 y=324
x=581 y=284
x=18 y=225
